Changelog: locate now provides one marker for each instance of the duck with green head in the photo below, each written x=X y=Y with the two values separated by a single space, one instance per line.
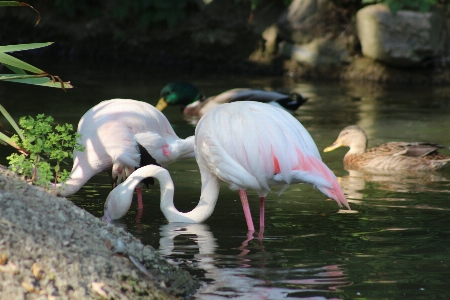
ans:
x=194 y=103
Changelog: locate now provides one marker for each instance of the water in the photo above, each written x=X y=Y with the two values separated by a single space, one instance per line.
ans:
x=394 y=244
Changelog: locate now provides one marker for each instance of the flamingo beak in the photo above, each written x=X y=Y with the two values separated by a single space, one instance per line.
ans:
x=334 y=146
x=161 y=104
x=106 y=218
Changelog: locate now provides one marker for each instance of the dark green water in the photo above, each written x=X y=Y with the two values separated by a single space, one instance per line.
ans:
x=394 y=244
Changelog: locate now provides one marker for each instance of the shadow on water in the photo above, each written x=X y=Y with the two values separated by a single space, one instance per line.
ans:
x=393 y=244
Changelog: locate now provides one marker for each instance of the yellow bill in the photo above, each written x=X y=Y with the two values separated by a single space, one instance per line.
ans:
x=334 y=146
x=161 y=104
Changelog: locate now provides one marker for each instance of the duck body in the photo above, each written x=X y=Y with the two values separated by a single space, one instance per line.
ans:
x=194 y=103
x=391 y=156
x=121 y=135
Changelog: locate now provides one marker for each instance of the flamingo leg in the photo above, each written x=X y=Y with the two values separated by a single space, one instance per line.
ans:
x=139 y=197
x=261 y=213
x=246 y=207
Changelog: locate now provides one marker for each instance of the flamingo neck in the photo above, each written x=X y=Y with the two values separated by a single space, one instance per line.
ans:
x=77 y=178
x=184 y=148
x=205 y=207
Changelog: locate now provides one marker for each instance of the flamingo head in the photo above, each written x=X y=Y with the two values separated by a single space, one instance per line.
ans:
x=117 y=203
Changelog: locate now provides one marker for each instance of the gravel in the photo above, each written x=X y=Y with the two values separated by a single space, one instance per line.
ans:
x=52 y=249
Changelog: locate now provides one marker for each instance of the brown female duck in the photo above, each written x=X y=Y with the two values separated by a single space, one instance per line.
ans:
x=392 y=156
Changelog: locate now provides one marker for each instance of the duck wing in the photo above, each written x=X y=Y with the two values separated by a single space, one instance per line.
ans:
x=415 y=149
x=412 y=149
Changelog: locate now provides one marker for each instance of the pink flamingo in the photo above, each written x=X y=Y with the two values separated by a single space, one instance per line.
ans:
x=249 y=145
x=122 y=135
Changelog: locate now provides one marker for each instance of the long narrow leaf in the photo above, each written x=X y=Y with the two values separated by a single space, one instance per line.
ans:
x=12 y=61
x=35 y=80
x=16 y=70
x=10 y=3
x=10 y=142
x=17 y=3
x=12 y=122
x=21 y=47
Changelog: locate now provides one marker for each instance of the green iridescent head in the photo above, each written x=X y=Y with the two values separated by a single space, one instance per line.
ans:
x=178 y=93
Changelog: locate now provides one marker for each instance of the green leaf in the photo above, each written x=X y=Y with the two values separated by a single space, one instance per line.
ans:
x=8 y=140
x=12 y=61
x=34 y=79
x=12 y=122
x=10 y=3
x=21 y=47
x=16 y=70
x=17 y=3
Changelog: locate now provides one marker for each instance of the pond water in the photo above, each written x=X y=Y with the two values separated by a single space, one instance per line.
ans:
x=394 y=244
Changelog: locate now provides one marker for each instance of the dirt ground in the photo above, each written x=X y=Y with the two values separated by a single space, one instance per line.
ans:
x=52 y=249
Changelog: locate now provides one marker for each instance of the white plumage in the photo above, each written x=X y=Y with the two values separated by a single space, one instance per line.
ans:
x=111 y=132
x=249 y=145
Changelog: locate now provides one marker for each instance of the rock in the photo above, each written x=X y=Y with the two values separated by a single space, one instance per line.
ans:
x=48 y=251
x=320 y=51
x=404 y=39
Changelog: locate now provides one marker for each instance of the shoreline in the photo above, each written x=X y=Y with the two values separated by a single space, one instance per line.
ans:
x=51 y=248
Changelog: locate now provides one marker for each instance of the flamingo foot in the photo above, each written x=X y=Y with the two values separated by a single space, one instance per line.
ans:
x=246 y=207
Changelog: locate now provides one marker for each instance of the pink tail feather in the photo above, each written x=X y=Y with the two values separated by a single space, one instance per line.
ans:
x=311 y=163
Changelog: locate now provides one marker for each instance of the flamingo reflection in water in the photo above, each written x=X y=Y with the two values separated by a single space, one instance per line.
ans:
x=244 y=276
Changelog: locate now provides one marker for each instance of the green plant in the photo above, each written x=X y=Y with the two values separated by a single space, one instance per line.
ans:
x=19 y=67
x=43 y=148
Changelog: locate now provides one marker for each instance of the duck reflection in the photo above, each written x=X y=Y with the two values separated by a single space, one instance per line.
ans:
x=355 y=182
x=245 y=275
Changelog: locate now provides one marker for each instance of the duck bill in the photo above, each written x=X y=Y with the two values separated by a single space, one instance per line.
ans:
x=334 y=146
x=161 y=104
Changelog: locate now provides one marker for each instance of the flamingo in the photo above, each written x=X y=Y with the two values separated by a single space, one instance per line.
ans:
x=194 y=103
x=249 y=145
x=121 y=135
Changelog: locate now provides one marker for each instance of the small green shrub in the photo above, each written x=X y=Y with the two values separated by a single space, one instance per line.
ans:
x=43 y=150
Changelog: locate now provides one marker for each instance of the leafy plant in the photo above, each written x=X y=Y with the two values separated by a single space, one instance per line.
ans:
x=19 y=67
x=42 y=148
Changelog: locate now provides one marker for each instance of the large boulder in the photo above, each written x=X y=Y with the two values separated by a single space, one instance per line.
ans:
x=406 y=38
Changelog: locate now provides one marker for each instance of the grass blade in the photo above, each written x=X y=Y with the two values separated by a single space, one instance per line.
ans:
x=12 y=61
x=13 y=124
x=21 y=47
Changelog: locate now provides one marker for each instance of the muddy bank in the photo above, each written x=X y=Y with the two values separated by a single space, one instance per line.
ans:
x=51 y=248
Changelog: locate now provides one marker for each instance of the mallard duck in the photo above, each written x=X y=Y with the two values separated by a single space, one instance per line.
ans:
x=414 y=156
x=194 y=103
